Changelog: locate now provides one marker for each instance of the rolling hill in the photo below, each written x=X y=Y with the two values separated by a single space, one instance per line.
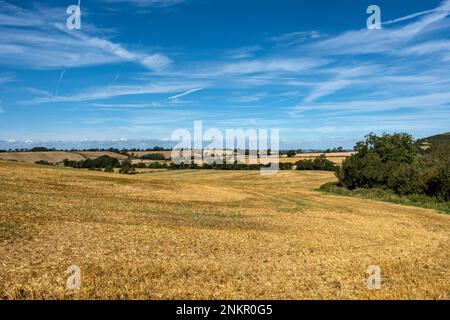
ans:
x=434 y=141
x=57 y=156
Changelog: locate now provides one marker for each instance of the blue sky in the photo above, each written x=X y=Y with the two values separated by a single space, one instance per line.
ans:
x=138 y=69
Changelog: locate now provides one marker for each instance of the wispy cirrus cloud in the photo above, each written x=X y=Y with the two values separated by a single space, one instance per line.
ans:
x=294 y=38
x=350 y=81
x=424 y=102
x=42 y=41
x=366 y=41
x=243 y=53
x=111 y=91
x=147 y=3
x=6 y=78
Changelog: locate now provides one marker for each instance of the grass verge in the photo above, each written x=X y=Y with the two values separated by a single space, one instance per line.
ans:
x=416 y=200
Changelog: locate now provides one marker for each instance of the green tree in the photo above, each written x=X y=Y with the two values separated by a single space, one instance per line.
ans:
x=291 y=153
x=388 y=161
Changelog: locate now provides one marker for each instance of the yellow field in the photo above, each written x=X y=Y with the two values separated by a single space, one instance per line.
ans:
x=57 y=156
x=210 y=234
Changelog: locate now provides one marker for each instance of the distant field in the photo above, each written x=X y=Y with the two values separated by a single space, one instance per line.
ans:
x=59 y=156
x=205 y=234
x=336 y=157
x=56 y=156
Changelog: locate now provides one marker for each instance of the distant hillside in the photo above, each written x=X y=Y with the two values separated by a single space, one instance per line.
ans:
x=56 y=156
x=439 y=140
x=436 y=138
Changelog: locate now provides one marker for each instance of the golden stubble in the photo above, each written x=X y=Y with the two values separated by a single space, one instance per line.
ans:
x=205 y=234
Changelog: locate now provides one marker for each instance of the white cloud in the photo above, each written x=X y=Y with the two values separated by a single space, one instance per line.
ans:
x=366 y=41
x=295 y=38
x=41 y=42
x=243 y=53
x=6 y=78
x=121 y=106
x=429 y=47
x=156 y=62
x=268 y=65
x=326 y=88
x=249 y=98
x=111 y=91
x=148 y=3
x=425 y=102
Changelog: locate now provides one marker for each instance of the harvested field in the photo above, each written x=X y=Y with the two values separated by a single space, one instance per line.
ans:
x=56 y=156
x=205 y=234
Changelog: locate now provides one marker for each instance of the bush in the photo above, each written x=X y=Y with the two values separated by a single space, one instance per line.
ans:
x=389 y=161
x=404 y=179
x=44 y=162
x=109 y=169
x=100 y=162
x=156 y=165
x=439 y=185
x=362 y=172
x=304 y=165
x=291 y=153
x=285 y=166
x=127 y=170
x=420 y=200
x=153 y=156
x=319 y=163
x=40 y=149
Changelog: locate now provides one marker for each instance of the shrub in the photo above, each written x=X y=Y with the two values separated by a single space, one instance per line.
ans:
x=439 y=185
x=305 y=165
x=109 y=169
x=388 y=161
x=100 y=162
x=319 y=163
x=362 y=172
x=285 y=165
x=291 y=153
x=154 y=156
x=127 y=170
x=404 y=179
x=156 y=165
x=44 y=162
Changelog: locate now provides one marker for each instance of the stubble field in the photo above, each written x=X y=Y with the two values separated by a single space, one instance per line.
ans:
x=201 y=234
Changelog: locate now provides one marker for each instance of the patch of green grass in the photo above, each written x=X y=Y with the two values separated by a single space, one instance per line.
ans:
x=417 y=200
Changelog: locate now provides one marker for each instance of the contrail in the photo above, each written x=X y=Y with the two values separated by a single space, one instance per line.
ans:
x=411 y=16
x=184 y=93
x=62 y=73
x=59 y=82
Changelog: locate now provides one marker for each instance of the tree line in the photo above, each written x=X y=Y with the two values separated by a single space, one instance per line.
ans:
x=395 y=162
